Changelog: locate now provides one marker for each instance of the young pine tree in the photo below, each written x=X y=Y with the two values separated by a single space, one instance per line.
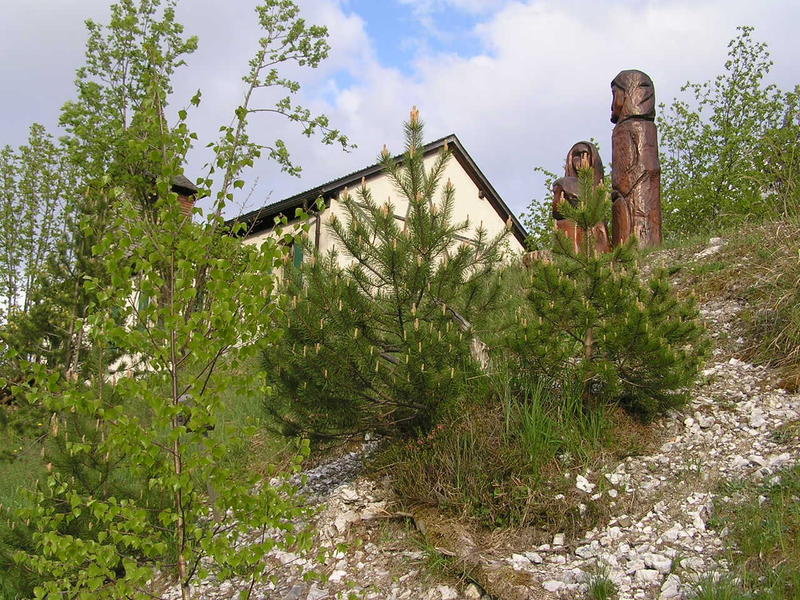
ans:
x=380 y=340
x=590 y=316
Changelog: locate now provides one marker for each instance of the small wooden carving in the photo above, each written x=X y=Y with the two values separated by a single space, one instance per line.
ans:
x=584 y=154
x=581 y=155
x=636 y=171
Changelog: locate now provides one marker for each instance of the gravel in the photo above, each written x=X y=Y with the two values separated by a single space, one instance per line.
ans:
x=655 y=545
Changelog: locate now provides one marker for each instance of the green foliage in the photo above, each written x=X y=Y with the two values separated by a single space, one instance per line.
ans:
x=591 y=315
x=538 y=217
x=380 y=342
x=37 y=197
x=729 y=154
x=136 y=477
x=32 y=187
x=288 y=40
x=764 y=525
x=173 y=444
x=498 y=455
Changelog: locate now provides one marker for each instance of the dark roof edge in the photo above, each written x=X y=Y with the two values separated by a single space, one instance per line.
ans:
x=183 y=185
x=264 y=217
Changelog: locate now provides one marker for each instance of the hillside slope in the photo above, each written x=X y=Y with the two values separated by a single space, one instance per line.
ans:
x=661 y=535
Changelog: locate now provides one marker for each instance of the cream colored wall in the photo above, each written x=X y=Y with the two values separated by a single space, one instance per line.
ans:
x=467 y=206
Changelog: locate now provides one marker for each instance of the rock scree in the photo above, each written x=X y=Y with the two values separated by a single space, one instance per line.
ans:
x=655 y=545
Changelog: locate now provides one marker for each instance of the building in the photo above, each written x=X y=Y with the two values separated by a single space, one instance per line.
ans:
x=475 y=199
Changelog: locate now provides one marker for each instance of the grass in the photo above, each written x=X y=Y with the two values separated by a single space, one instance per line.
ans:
x=437 y=564
x=787 y=433
x=763 y=521
x=266 y=452
x=499 y=458
x=601 y=587
x=18 y=474
x=720 y=588
x=758 y=267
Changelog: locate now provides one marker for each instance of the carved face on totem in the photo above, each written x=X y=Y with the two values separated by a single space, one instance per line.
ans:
x=633 y=95
x=566 y=188
x=579 y=157
x=584 y=154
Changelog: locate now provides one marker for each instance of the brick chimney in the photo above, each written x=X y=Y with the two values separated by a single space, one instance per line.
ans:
x=187 y=193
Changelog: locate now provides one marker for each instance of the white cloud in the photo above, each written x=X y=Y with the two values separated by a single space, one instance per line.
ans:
x=543 y=81
x=537 y=81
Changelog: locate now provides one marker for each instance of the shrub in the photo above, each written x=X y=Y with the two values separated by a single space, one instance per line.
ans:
x=590 y=316
x=381 y=344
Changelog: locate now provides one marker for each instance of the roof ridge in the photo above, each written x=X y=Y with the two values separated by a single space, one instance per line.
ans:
x=276 y=207
x=263 y=217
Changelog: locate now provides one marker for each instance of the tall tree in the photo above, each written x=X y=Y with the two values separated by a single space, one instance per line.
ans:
x=722 y=162
x=35 y=191
x=136 y=480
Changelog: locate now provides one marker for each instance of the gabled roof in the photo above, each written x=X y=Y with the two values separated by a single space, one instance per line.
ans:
x=182 y=185
x=264 y=218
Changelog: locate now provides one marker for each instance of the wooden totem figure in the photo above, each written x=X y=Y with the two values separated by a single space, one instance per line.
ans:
x=581 y=155
x=635 y=168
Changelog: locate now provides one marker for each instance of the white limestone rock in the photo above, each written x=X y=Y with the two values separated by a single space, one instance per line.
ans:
x=472 y=592
x=660 y=563
x=583 y=484
x=552 y=585
x=648 y=575
x=671 y=588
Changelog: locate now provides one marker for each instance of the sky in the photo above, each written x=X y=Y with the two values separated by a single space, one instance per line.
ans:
x=517 y=81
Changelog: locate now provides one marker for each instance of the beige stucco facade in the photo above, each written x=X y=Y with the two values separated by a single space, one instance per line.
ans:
x=470 y=205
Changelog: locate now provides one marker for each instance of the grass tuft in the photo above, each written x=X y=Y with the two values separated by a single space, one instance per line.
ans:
x=501 y=457
x=601 y=587
x=763 y=521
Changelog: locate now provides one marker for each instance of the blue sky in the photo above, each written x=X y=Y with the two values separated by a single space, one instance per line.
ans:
x=519 y=81
x=402 y=33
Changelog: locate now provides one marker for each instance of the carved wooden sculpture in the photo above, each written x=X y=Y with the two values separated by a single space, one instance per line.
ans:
x=636 y=171
x=581 y=155
x=584 y=154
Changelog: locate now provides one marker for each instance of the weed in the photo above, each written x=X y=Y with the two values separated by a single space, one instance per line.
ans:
x=764 y=525
x=600 y=586
x=718 y=588
x=437 y=564
x=692 y=469
x=786 y=433
x=676 y=568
